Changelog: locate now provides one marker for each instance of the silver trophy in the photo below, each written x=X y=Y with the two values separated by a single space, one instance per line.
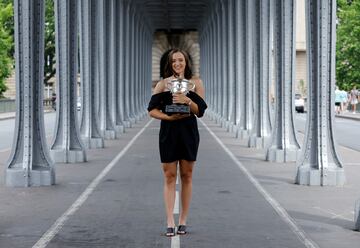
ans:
x=179 y=85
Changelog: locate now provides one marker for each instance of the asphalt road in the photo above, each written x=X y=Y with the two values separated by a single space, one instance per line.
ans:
x=346 y=131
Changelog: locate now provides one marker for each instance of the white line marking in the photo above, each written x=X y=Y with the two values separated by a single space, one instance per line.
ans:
x=175 y=241
x=176 y=205
x=59 y=223
x=276 y=206
x=334 y=215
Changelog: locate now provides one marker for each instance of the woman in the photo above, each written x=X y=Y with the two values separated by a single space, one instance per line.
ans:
x=354 y=98
x=179 y=135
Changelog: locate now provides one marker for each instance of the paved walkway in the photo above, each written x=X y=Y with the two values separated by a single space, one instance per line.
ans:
x=239 y=200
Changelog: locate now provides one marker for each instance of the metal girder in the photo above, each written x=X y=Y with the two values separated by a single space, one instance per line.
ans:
x=319 y=163
x=260 y=134
x=89 y=127
x=284 y=145
x=66 y=145
x=29 y=162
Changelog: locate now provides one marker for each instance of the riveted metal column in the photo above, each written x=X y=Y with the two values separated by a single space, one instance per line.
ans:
x=112 y=68
x=240 y=62
x=219 y=71
x=127 y=63
x=247 y=93
x=67 y=146
x=261 y=131
x=224 y=64
x=29 y=162
x=107 y=128
x=120 y=51
x=319 y=163
x=284 y=145
x=213 y=88
x=131 y=61
x=89 y=127
x=231 y=64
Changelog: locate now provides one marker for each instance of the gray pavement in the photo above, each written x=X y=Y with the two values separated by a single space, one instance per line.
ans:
x=126 y=208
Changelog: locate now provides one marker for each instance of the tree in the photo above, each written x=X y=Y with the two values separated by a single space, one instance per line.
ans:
x=50 y=58
x=6 y=43
x=348 y=44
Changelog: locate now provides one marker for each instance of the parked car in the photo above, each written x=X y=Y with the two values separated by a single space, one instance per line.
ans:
x=79 y=103
x=299 y=103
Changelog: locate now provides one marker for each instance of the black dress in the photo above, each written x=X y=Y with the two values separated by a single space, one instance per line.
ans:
x=178 y=139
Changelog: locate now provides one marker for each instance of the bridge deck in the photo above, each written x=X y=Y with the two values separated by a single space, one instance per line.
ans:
x=239 y=200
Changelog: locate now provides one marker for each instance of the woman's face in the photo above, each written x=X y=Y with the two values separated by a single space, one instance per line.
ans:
x=178 y=63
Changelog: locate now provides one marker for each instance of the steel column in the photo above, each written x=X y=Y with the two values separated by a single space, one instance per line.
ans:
x=260 y=134
x=319 y=163
x=127 y=56
x=119 y=87
x=29 y=162
x=89 y=127
x=112 y=68
x=247 y=92
x=231 y=64
x=107 y=128
x=224 y=65
x=67 y=146
x=284 y=145
x=240 y=62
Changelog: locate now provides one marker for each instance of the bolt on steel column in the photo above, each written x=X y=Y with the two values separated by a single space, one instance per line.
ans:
x=319 y=163
x=29 y=162
x=89 y=127
x=66 y=145
x=284 y=145
x=260 y=134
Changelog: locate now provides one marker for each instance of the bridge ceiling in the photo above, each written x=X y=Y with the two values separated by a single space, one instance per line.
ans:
x=175 y=14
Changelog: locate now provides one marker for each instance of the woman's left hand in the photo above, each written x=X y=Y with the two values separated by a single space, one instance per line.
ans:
x=181 y=98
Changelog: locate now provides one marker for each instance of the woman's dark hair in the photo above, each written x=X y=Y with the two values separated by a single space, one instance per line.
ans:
x=168 y=66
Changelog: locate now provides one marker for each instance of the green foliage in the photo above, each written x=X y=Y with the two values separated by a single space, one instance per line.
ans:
x=348 y=44
x=50 y=58
x=6 y=43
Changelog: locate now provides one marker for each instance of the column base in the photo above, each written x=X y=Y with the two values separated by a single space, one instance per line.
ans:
x=68 y=156
x=109 y=134
x=127 y=124
x=118 y=131
x=281 y=155
x=38 y=176
x=307 y=175
x=91 y=143
x=357 y=215
x=258 y=142
x=242 y=134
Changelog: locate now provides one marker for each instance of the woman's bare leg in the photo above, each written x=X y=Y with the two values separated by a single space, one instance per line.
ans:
x=186 y=168
x=170 y=170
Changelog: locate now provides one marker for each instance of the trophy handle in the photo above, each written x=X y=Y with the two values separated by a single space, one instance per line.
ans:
x=191 y=85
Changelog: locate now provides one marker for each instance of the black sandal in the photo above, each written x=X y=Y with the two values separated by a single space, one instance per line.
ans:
x=170 y=232
x=181 y=230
